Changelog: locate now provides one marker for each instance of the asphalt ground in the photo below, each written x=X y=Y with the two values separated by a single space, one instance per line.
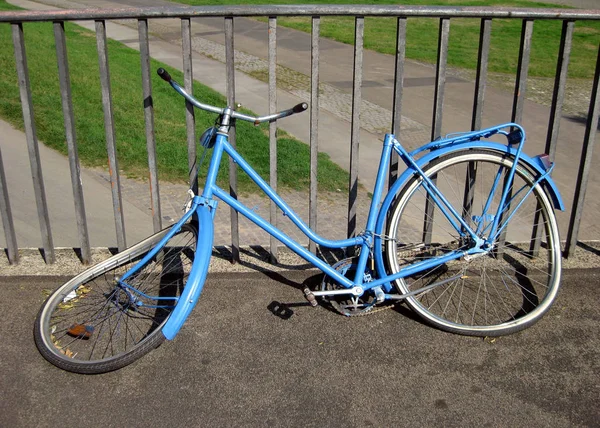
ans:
x=237 y=364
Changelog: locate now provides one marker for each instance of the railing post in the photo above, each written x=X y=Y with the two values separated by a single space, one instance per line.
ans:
x=558 y=97
x=314 y=128
x=522 y=71
x=109 y=128
x=32 y=142
x=149 y=123
x=355 y=133
x=230 y=75
x=12 y=248
x=190 y=118
x=480 y=85
x=69 y=121
x=438 y=105
x=586 y=163
x=398 y=90
x=518 y=104
x=481 y=77
x=273 y=129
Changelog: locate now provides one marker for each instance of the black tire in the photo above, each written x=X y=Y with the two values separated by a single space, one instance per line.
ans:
x=90 y=325
x=498 y=293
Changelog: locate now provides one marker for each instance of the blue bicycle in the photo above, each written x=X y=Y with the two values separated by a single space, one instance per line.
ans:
x=466 y=236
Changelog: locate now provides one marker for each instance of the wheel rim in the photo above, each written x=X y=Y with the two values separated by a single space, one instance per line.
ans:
x=501 y=291
x=95 y=319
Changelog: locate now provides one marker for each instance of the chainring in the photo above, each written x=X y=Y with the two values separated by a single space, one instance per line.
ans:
x=349 y=305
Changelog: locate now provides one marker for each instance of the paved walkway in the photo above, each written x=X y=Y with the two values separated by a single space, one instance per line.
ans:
x=581 y=4
x=336 y=76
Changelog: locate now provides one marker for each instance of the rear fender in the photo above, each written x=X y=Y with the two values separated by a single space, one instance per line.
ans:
x=536 y=164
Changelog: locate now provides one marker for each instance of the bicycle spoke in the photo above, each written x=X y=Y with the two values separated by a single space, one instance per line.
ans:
x=498 y=286
x=95 y=324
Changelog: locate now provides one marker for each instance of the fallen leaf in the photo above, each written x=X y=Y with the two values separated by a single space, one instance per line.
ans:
x=68 y=305
x=83 y=289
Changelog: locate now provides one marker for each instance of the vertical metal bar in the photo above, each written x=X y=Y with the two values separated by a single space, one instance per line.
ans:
x=355 y=133
x=109 y=129
x=481 y=78
x=558 y=96
x=7 y=220
x=586 y=162
x=230 y=75
x=273 y=128
x=518 y=102
x=440 y=78
x=149 y=121
x=32 y=143
x=398 y=89
x=480 y=85
x=314 y=127
x=190 y=119
x=522 y=69
x=560 y=82
x=69 y=121
x=438 y=105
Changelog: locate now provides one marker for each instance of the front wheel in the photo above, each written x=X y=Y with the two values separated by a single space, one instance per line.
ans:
x=95 y=323
x=501 y=291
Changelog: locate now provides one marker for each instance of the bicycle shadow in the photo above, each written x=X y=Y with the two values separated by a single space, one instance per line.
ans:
x=257 y=258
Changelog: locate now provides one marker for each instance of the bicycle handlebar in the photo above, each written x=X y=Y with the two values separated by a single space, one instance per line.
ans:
x=299 y=108
x=164 y=74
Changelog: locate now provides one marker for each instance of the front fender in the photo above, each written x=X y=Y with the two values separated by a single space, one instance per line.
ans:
x=195 y=283
x=534 y=164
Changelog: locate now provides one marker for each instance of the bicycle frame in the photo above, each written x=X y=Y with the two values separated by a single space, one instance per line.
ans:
x=369 y=241
x=364 y=241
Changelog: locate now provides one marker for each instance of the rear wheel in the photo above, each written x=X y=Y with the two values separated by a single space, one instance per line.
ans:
x=497 y=292
x=95 y=324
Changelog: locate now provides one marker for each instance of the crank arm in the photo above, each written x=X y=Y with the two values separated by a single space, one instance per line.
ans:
x=311 y=296
x=354 y=291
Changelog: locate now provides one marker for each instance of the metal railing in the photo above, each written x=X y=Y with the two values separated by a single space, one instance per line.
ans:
x=185 y=14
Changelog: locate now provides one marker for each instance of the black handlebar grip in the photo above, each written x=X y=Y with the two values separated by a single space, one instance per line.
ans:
x=164 y=74
x=300 y=108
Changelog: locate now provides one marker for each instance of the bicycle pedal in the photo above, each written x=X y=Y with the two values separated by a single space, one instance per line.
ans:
x=280 y=309
x=312 y=299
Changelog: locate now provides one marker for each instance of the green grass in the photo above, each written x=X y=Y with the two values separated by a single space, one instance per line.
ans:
x=293 y=155
x=422 y=35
